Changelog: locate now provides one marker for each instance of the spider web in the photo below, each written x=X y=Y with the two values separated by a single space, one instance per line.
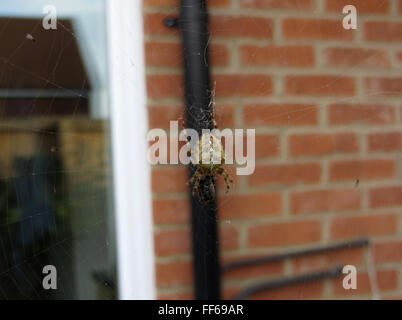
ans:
x=78 y=247
x=320 y=106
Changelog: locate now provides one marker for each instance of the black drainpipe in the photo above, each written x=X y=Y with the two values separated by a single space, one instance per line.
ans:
x=193 y=24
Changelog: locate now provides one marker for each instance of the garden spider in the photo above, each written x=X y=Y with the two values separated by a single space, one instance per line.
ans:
x=209 y=156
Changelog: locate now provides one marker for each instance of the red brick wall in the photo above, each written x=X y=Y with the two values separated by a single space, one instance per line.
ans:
x=326 y=105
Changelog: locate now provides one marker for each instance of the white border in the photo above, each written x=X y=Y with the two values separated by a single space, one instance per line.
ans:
x=131 y=170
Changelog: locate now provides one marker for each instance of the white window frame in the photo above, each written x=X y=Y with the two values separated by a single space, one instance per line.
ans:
x=131 y=170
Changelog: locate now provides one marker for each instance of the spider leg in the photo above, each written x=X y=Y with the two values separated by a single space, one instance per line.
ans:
x=215 y=125
x=195 y=176
x=195 y=180
x=196 y=187
x=182 y=123
x=228 y=180
x=212 y=107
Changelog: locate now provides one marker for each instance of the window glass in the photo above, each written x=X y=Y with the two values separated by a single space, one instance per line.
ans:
x=56 y=217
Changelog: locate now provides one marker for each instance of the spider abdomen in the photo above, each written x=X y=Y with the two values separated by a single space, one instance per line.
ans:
x=209 y=151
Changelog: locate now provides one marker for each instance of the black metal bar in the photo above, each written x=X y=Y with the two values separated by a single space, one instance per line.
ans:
x=296 y=253
x=193 y=24
x=288 y=281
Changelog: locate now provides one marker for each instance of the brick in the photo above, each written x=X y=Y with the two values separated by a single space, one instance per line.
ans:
x=163 y=54
x=399 y=57
x=285 y=174
x=385 y=141
x=362 y=6
x=284 y=233
x=153 y=24
x=224 y=115
x=159 y=116
x=169 y=179
x=383 y=31
x=344 y=113
x=168 y=210
x=230 y=291
x=170 y=54
x=356 y=57
x=280 y=114
x=164 y=85
x=392 y=297
x=243 y=85
x=178 y=272
x=234 y=206
x=367 y=225
x=176 y=295
x=316 y=262
x=308 y=290
x=266 y=145
x=172 y=211
x=173 y=3
x=387 y=280
x=231 y=171
x=287 y=56
x=388 y=251
x=385 y=196
x=229 y=238
x=258 y=270
x=278 y=4
x=217 y=3
x=375 y=86
x=362 y=169
x=170 y=242
x=320 y=85
x=322 y=143
x=240 y=26
x=317 y=201
x=319 y=29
